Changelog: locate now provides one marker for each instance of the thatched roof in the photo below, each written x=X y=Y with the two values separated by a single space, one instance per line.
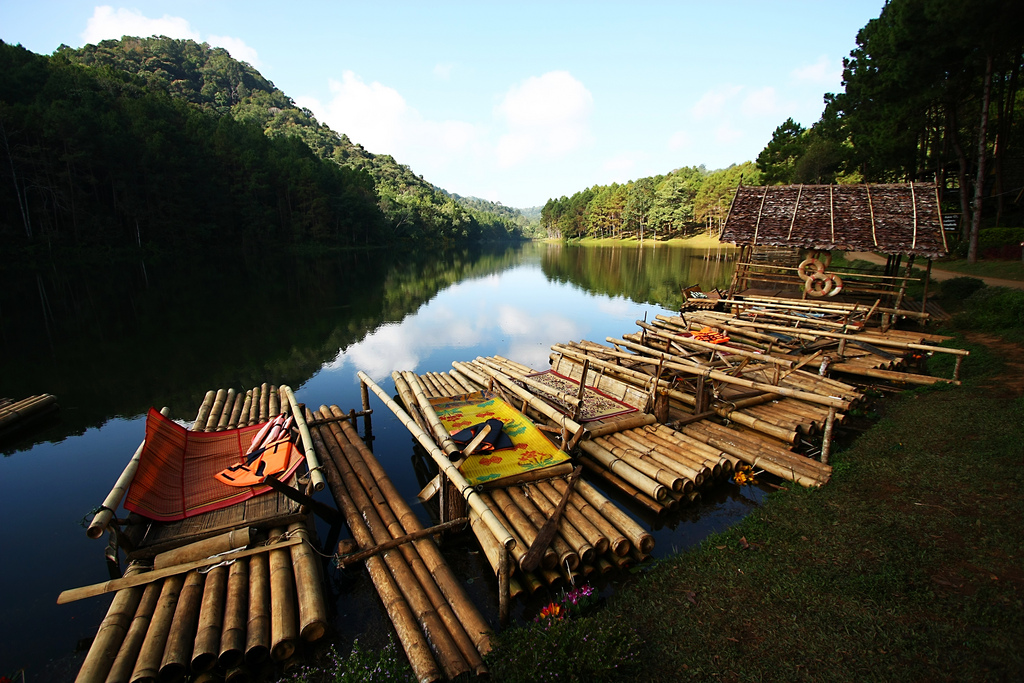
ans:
x=893 y=219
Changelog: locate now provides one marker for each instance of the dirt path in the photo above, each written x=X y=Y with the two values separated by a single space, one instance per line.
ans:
x=939 y=274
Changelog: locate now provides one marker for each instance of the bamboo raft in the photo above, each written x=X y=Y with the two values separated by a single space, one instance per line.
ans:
x=176 y=613
x=15 y=414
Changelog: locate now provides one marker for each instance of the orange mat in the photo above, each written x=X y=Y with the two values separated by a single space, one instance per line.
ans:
x=175 y=478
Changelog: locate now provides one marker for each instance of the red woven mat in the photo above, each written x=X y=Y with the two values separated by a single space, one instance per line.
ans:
x=175 y=478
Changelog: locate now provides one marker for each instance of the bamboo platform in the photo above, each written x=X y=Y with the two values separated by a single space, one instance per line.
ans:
x=14 y=415
x=593 y=533
x=439 y=628
x=220 y=622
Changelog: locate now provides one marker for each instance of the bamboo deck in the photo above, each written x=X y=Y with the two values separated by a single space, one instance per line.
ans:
x=224 y=622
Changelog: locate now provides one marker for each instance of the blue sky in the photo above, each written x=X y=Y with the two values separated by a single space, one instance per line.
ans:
x=513 y=102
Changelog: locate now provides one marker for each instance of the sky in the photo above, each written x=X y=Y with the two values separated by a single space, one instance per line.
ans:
x=514 y=102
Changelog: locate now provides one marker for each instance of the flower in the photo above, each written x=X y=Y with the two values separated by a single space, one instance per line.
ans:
x=552 y=611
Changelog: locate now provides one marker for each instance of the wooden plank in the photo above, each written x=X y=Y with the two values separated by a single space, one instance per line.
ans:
x=73 y=594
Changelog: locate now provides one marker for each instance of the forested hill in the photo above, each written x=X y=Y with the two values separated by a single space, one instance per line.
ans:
x=170 y=143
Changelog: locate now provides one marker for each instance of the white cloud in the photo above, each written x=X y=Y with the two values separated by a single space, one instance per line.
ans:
x=109 y=23
x=378 y=117
x=237 y=48
x=761 y=102
x=726 y=133
x=679 y=140
x=546 y=116
x=713 y=101
x=106 y=22
x=825 y=71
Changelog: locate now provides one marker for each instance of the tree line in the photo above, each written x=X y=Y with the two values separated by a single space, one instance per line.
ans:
x=173 y=144
x=931 y=92
x=682 y=202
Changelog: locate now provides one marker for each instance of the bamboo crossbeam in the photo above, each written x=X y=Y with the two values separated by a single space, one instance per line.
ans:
x=865 y=337
x=142 y=578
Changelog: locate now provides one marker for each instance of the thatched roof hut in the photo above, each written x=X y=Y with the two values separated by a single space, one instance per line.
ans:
x=894 y=219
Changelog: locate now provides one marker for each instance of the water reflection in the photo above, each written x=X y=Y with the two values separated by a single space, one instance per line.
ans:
x=110 y=342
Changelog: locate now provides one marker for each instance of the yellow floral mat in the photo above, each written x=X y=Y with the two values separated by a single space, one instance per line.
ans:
x=532 y=450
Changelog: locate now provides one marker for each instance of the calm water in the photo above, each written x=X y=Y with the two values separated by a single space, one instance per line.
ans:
x=112 y=341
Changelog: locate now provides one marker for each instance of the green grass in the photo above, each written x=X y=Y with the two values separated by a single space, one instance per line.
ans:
x=1006 y=270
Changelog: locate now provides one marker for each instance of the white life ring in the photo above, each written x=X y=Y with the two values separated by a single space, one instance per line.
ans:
x=804 y=270
x=818 y=285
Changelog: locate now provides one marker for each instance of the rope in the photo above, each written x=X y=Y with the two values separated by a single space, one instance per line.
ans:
x=87 y=518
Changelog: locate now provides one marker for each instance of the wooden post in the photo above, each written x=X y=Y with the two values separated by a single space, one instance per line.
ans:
x=503 y=585
x=364 y=393
x=826 y=439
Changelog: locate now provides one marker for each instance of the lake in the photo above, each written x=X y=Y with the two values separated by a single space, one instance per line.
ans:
x=112 y=340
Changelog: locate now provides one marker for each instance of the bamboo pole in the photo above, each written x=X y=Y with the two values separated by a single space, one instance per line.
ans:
x=284 y=630
x=536 y=403
x=236 y=411
x=111 y=633
x=124 y=664
x=729 y=379
x=147 y=666
x=638 y=496
x=668 y=455
x=693 y=343
x=236 y=610
x=228 y=408
x=446 y=465
x=113 y=500
x=211 y=620
x=265 y=413
x=216 y=410
x=408 y=522
x=257 y=641
x=405 y=393
x=653 y=469
x=565 y=554
x=182 y=633
x=625 y=470
x=416 y=623
x=570 y=535
x=441 y=435
x=590 y=533
x=631 y=422
x=632 y=531
x=215 y=545
x=312 y=464
x=312 y=610
x=204 y=411
x=523 y=526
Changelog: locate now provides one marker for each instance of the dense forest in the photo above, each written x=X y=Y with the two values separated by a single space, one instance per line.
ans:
x=172 y=144
x=682 y=202
x=931 y=92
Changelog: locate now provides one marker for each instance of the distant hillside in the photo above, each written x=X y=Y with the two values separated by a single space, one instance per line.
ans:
x=211 y=79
